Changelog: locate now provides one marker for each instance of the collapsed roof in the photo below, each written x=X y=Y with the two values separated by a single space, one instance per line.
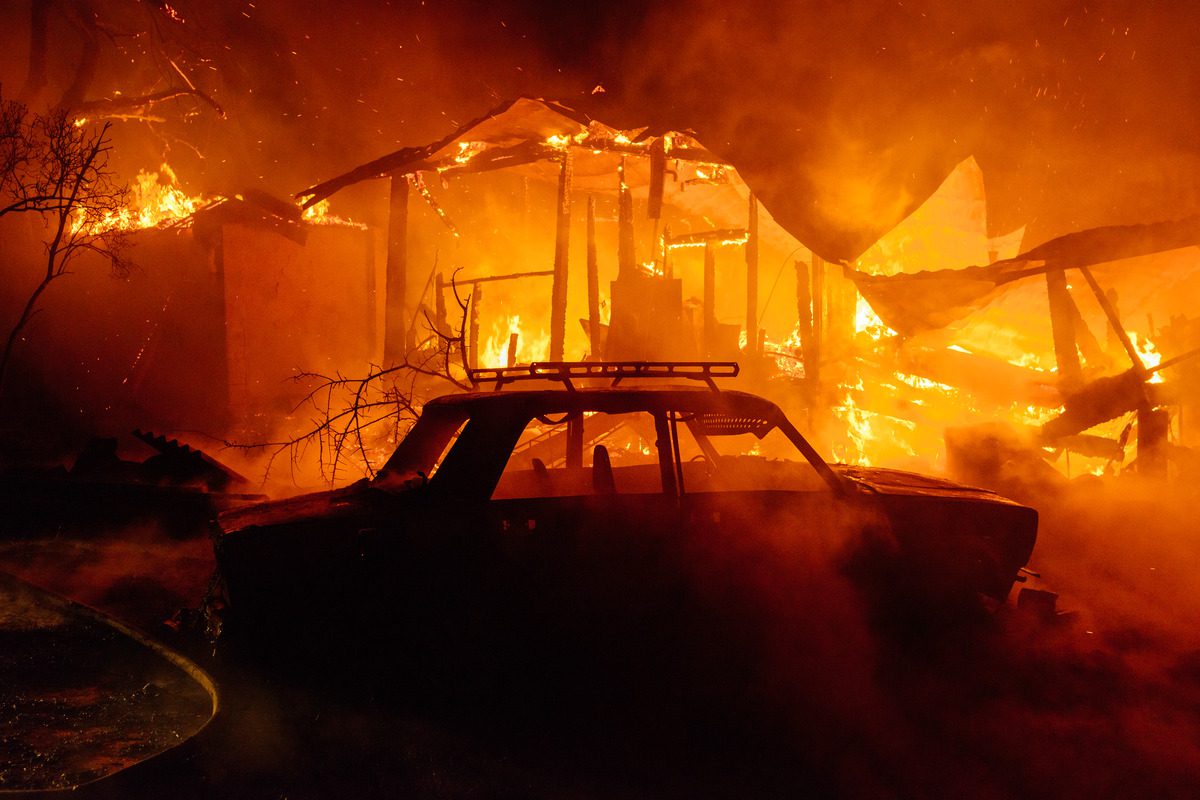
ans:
x=529 y=136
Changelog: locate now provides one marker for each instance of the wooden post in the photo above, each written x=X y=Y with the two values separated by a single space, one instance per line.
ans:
x=593 y=280
x=473 y=333
x=395 y=315
x=804 y=321
x=512 y=349
x=1062 y=324
x=562 y=241
x=626 y=252
x=710 y=299
x=752 y=279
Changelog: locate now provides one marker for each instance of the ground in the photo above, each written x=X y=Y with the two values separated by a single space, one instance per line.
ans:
x=1101 y=702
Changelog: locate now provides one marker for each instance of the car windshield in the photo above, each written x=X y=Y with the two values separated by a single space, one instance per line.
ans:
x=556 y=457
x=722 y=454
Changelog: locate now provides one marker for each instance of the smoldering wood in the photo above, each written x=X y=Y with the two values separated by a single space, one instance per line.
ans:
x=1062 y=323
x=419 y=182
x=396 y=339
x=593 y=281
x=413 y=160
x=562 y=243
x=1104 y=399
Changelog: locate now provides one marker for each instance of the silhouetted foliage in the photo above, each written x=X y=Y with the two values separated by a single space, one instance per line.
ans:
x=56 y=167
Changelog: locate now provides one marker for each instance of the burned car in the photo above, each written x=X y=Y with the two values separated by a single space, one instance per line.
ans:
x=610 y=528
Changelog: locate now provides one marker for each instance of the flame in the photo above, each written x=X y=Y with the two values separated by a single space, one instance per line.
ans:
x=1148 y=353
x=320 y=214
x=561 y=141
x=155 y=202
x=868 y=322
x=494 y=352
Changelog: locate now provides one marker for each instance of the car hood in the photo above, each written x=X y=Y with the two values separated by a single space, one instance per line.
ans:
x=898 y=482
x=314 y=506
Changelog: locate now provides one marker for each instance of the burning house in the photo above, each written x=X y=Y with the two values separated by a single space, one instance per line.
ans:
x=586 y=240
x=660 y=250
x=717 y=430
x=246 y=291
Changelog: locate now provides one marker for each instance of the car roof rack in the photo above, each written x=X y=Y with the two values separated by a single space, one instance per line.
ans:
x=565 y=371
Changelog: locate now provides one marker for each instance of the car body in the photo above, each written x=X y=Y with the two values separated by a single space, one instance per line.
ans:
x=600 y=519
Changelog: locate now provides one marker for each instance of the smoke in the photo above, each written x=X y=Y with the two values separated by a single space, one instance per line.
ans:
x=843 y=117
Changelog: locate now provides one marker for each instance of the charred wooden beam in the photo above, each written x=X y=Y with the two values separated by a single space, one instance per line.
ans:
x=658 y=169
x=512 y=349
x=700 y=238
x=626 y=249
x=1104 y=399
x=395 y=316
x=473 y=327
x=752 y=279
x=710 y=299
x=1062 y=322
x=562 y=242
x=593 y=281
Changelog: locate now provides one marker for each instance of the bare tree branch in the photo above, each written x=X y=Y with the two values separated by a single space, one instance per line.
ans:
x=57 y=169
x=351 y=415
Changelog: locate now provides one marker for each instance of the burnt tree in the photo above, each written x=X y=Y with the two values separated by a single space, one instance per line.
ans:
x=57 y=169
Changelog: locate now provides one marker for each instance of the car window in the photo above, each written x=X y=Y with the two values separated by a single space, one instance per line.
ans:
x=421 y=451
x=616 y=453
x=717 y=456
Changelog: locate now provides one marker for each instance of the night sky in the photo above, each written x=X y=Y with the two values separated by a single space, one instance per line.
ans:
x=843 y=116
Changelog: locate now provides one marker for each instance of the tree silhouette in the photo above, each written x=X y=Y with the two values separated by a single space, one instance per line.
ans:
x=57 y=168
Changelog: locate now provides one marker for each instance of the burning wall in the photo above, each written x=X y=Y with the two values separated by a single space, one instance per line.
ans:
x=224 y=306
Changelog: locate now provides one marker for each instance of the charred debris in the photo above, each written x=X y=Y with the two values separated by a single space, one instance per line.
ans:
x=533 y=216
